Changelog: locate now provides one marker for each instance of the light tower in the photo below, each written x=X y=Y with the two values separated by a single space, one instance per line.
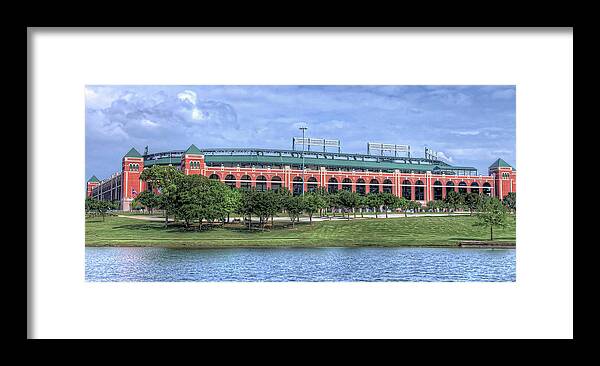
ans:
x=303 y=128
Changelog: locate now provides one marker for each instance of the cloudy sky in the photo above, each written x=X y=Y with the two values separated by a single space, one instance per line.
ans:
x=467 y=125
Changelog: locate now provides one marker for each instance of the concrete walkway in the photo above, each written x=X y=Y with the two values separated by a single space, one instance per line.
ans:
x=315 y=218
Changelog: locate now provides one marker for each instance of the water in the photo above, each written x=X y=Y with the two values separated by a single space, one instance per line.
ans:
x=299 y=264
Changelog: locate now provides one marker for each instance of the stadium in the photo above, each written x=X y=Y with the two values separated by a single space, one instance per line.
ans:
x=384 y=168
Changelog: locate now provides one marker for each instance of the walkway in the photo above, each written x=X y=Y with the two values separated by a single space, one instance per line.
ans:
x=315 y=218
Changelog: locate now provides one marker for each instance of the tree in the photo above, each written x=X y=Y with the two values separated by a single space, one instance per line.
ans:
x=231 y=201
x=404 y=205
x=374 y=200
x=148 y=199
x=163 y=178
x=247 y=204
x=325 y=196
x=389 y=201
x=355 y=201
x=431 y=206
x=333 y=200
x=454 y=200
x=491 y=213
x=313 y=202
x=266 y=204
x=346 y=200
x=361 y=202
x=472 y=201
x=90 y=205
x=185 y=197
x=294 y=206
x=510 y=201
x=414 y=205
x=100 y=207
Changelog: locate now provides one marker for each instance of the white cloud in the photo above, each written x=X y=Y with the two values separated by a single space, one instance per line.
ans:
x=466 y=133
x=148 y=123
x=189 y=96
x=441 y=155
x=197 y=114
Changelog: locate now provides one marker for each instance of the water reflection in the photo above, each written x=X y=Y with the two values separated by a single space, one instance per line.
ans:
x=300 y=264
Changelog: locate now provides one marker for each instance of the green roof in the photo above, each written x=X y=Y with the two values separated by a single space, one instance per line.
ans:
x=500 y=164
x=133 y=153
x=193 y=150
x=336 y=163
x=162 y=161
x=93 y=179
x=288 y=160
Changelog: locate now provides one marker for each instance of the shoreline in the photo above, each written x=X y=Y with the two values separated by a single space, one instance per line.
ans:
x=500 y=245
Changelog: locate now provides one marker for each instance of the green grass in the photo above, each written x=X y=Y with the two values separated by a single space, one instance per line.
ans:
x=410 y=231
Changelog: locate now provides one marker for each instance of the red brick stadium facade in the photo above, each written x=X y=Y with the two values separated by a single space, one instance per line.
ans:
x=419 y=179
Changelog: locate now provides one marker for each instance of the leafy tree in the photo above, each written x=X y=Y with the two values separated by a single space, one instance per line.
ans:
x=454 y=200
x=491 y=213
x=355 y=201
x=90 y=204
x=163 y=178
x=185 y=195
x=431 y=205
x=210 y=200
x=404 y=205
x=247 y=204
x=414 y=205
x=100 y=207
x=472 y=201
x=325 y=196
x=265 y=205
x=374 y=200
x=362 y=203
x=313 y=202
x=346 y=200
x=148 y=199
x=231 y=201
x=388 y=201
x=333 y=200
x=510 y=201
x=294 y=206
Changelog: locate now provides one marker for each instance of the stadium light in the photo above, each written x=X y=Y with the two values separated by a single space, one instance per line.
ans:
x=303 y=128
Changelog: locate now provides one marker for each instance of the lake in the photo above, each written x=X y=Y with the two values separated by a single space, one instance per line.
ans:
x=370 y=264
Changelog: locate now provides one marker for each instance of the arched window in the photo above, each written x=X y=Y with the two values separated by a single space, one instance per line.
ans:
x=275 y=183
x=487 y=189
x=449 y=186
x=361 y=188
x=406 y=189
x=387 y=186
x=311 y=184
x=347 y=184
x=419 y=191
x=245 y=182
x=462 y=187
x=332 y=187
x=437 y=190
x=474 y=187
x=261 y=183
x=214 y=177
x=297 y=186
x=374 y=186
x=230 y=181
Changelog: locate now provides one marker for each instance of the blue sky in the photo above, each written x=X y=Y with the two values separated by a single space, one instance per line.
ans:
x=467 y=125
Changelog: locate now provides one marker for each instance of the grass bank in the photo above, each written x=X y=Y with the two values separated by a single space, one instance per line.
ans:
x=409 y=231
